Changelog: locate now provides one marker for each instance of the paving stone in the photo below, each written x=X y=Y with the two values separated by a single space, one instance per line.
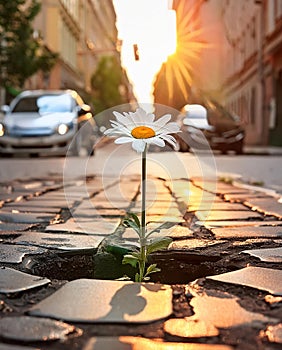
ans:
x=226 y=215
x=189 y=193
x=7 y=226
x=110 y=204
x=11 y=253
x=250 y=241
x=157 y=205
x=261 y=278
x=99 y=301
x=176 y=231
x=114 y=198
x=29 y=209
x=268 y=205
x=25 y=217
x=15 y=347
x=104 y=205
x=12 y=281
x=193 y=244
x=161 y=219
x=41 y=202
x=139 y=343
x=185 y=328
x=31 y=329
x=157 y=208
x=95 y=226
x=91 y=212
x=63 y=241
x=233 y=223
x=247 y=231
x=208 y=307
x=8 y=197
x=205 y=206
x=267 y=255
x=230 y=190
x=241 y=197
x=272 y=300
x=274 y=333
x=156 y=198
x=30 y=185
x=31 y=204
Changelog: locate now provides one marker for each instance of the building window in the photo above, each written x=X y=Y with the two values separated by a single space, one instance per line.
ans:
x=69 y=46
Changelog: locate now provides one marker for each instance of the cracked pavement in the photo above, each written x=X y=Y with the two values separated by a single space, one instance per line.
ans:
x=221 y=281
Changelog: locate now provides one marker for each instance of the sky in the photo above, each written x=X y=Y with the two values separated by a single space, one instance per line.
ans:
x=152 y=26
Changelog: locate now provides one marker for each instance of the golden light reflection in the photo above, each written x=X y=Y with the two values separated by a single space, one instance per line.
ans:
x=180 y=70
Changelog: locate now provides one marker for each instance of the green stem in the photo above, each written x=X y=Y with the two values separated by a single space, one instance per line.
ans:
x=143 y=194
x=143 y=218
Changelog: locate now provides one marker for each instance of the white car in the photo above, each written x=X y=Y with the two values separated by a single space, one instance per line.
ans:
x=209 y=126
x=47 y=122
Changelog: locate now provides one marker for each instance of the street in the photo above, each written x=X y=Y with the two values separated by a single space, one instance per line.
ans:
x=117 y=160
x=63 y=237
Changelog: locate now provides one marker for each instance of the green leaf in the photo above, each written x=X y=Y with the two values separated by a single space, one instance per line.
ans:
x=116 y=249
x=132 y=224
x=135 y=218
x=130 y=259
x=158 y=243
x=152 y=269
x=164 y=226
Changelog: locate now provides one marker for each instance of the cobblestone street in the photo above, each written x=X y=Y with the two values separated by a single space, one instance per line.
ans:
x=220 y=285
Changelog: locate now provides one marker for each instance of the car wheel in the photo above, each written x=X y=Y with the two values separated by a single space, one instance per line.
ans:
x=239 y=148
x=239 y=151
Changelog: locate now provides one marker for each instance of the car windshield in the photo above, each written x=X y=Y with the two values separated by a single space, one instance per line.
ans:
x=44 y=104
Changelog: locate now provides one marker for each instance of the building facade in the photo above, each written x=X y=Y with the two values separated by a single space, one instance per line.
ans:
x=252 y=69
x=80 y=31
x=240 y=61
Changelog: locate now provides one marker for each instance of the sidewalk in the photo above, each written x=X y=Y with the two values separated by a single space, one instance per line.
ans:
x=267 y=150
x=220 y=285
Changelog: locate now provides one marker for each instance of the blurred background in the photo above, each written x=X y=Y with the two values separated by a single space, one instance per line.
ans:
x=173 y=52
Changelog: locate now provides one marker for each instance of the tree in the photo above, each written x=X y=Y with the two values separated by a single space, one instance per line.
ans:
x=106 y=83
x=21 y=53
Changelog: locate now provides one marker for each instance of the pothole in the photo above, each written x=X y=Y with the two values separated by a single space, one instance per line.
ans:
x=176 y=267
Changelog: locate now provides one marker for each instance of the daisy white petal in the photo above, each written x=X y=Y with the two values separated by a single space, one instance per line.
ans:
x=123 y=119
x=123 y=139
x=138 y=145
x=140 y=128
x=169 y=128
x=156 y=141
x=162 y=121
x=170 y=139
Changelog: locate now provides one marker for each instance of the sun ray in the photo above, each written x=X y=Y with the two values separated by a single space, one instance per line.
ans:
x=180 y=69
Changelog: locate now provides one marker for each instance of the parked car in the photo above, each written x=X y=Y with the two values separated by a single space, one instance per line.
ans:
x=47 y=122
x=209 y=126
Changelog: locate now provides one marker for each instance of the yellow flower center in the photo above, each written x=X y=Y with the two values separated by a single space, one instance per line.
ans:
x=142 y=132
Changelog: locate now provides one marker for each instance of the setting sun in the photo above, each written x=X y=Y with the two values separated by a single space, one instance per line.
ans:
x=152 y=27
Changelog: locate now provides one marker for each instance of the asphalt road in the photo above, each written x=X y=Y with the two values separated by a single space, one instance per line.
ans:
x=113 y=160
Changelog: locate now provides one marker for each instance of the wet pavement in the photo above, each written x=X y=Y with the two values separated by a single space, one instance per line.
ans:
x=219 y=289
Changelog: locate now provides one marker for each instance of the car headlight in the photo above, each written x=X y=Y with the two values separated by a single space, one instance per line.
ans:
x=62 y=129
x=2 y=130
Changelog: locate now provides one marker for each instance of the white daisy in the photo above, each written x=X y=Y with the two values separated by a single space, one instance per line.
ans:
x=141 y=129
